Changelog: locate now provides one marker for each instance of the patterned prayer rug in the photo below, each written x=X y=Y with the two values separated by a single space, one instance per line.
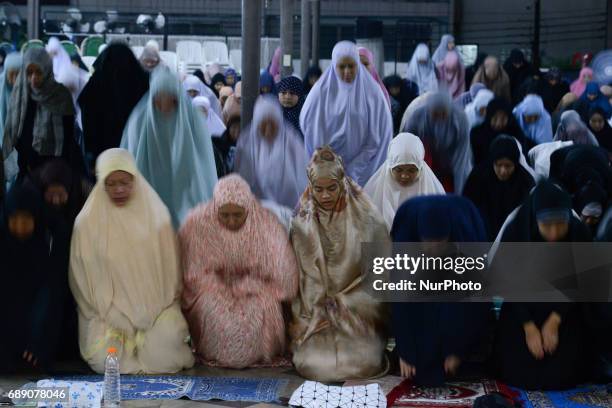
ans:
x=136 y=387
x=592 y=396
x=452 y=395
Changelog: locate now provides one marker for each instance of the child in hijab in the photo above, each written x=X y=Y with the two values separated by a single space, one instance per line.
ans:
x=404 y=175
x=270 y=155
x=534 y=119
x=128 y=299
x=291 y=97
x=239 y=268
x=172 y=148
x=499 y=185
x=443 y=128
x=422 y=71
x=493 y=76
x=451 y=73
x=347 y=111
x=337 y=332
x=367 y=59
x=194 y=88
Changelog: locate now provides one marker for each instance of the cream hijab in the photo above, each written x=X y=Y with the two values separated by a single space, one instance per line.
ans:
x=124 y=267
x=386 y=193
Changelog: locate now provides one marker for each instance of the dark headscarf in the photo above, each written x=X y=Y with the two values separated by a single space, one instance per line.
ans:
x=293 y=85
x=575 y=166
x=218 y=77
x=483 y=135
x=546 y=200
x=496 y=199
x=200 y=75
x=313 y=71
x=551 y=95
x=77 y=58
x=266 y=79
x=589 y=194
x=116 y=86
x=408 y=92
x=517 y=75
x=604 y=136
x=584 y=105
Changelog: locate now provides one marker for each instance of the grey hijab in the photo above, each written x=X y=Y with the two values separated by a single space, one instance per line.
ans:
x=53 y=102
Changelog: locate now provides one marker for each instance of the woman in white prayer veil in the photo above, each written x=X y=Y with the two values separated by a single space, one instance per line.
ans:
x=270 y=155
x=404 y=175
x=216 y=128
x=125 y=274
x=347 y=110
x=194 y=88
x=422 y=70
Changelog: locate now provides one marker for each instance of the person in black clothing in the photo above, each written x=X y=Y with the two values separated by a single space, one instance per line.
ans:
x=107 y=100
x=312 y=76
x=291 y=97
x=540 y=345
x=518 y=69
x=553 y=89
x=40 y=118
x=401 y=92
x=498 y=185
x=601 y=128
x=498 y=120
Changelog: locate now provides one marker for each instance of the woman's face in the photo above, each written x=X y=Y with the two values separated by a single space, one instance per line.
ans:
x=313 y=80
x=218 y=85
x=165 y=103
x=232 y=216
x=193 y=93
x=326 y=192
x=499 y=121
x=394 y=90
x=590 y=221
x=531 y=119
x=35 y=76
x=553 y=231
x=149 y=64
x=119 y=185
x=597 y=122
x=268 y=129
x=234 y=132
x=288 y=99
x=405 y=174
x=365 y=61
x=230 y=80
x=21 y=224
x=347 y=69
x=504 y=169
x=56 y=195
x=11 y=76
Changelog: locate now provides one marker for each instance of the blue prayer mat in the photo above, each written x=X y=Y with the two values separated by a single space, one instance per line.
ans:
x=140 y=387
x=592 y=396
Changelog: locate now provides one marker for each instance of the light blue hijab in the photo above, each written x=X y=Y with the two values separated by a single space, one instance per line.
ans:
x=540 y=131
x=174 y=153
x=12 y=63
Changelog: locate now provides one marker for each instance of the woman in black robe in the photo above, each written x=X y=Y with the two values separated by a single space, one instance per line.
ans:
x=518 y=69
x=33 y=283
x=312 y=76
x=433 y=339
x=553 y=89
x=600 y=128
x=401 y=93
x=540 y=345
x=40 y=118
x=115 y=87
x=498 y=120
x=498 y=185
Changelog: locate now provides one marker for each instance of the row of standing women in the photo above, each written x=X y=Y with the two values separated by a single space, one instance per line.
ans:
x=234 y=267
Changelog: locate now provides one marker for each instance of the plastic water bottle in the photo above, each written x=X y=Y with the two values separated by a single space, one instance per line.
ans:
x=112 y=381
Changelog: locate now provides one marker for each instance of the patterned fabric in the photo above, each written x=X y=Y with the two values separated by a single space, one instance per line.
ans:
x=592 y=396
x=82 y=394
x=313 y=394
x=293 y=85
x=235 y=281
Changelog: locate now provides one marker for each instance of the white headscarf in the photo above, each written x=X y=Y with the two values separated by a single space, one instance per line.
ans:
x=216 y=128
x=386 y=193
x=540 y=157
x=193 y=83
x=275 y=170
x=442 y=49
x=472 y=110
x=354 y=119
x=541 y=130
x=571 y=127
x=424 y=75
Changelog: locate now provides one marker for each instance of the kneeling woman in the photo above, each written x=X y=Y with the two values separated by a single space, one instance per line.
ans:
x=124 y=274
x=338 y=329
x=239 y=268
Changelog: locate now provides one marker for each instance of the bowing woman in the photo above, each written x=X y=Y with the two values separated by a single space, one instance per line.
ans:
x=347 y=110
x=337 y=331
x=125 y=274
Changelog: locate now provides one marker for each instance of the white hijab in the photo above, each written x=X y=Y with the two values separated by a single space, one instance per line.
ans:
x=424 y=75
x=124 y=265
x=472 y=110
x=193 y=83
x=353 y=119
x=216 y=128
x=539 y=156
x=386 y=193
